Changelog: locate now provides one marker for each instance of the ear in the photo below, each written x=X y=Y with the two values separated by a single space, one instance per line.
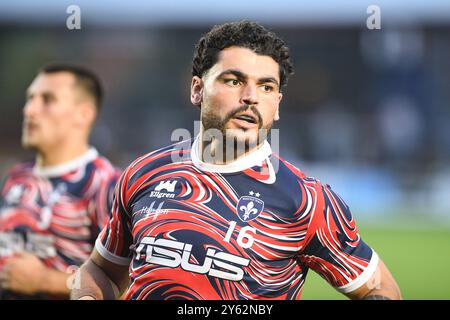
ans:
x=86 y=114
x=196 y=91
x=277 y=112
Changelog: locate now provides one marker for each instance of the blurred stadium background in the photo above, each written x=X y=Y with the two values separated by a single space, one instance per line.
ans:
x=368 y=111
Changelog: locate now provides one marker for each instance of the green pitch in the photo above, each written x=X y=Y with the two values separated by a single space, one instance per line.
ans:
x=418 y=258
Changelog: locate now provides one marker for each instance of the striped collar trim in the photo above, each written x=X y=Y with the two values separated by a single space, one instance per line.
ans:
x=61 y=169
x=255 y=158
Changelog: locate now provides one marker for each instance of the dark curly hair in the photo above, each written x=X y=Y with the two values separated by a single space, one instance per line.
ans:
x=246 y=34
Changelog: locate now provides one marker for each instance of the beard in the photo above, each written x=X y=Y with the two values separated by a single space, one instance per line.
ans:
x=233 y=142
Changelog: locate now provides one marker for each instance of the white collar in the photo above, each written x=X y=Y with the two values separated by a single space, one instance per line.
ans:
x=255 y=158
x=61 y=169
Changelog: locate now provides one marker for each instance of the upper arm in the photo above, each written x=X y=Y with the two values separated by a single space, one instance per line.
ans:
x=380 y=283
x=115 y=239
x=116 y=273
x=112 y=247
x=333 y=247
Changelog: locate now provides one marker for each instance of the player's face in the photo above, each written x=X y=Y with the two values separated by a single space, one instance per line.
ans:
x=241 y=94
x=49 y=111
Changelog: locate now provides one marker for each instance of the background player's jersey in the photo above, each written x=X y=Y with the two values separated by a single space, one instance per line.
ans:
x=248 y=230
x=57 y=212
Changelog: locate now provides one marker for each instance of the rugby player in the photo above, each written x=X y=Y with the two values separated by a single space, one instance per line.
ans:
x=191 y=222
x=53 y=208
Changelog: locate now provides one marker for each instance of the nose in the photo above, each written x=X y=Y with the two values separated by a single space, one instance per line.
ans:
x=30 y=107
x=249 y=95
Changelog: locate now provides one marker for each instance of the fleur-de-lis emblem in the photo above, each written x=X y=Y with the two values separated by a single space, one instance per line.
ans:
x=249 y=208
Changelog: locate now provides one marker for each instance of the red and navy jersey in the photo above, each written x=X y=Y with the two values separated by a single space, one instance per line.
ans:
x=248 y=230
x=56 y=212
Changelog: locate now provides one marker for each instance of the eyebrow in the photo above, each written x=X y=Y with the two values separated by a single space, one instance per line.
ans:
x=241 y=76
x=44 y=94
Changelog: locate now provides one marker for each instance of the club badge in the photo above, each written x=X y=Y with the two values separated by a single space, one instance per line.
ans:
x=249 y=207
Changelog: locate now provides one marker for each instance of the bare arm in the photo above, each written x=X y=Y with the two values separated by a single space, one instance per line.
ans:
x=26 y=274
x=55 y=283
x=98 y=279
x=380 y=286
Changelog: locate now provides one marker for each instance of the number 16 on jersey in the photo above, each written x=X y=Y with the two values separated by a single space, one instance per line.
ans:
x=245 y=237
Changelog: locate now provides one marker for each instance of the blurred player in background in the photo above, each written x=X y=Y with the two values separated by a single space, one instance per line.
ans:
x=189 y=224
x=52 y=209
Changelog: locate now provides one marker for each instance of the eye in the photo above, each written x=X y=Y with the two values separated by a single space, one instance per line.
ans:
x=233 y=82
x=48 y=98
x=268 y=88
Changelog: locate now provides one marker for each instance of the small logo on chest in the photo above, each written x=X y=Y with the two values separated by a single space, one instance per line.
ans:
x=249 y=207
x=168 y=186
x=151 y=211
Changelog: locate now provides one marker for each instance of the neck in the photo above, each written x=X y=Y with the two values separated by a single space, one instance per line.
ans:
x=221 y=151
x=60 y=154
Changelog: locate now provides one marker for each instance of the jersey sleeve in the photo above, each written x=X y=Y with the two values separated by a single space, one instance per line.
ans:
x=18 y=202
x=114 y=241
x=3 y=193
x=12 y=191
x=333 y=247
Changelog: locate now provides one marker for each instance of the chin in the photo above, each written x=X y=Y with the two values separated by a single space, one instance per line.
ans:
x=27 y=144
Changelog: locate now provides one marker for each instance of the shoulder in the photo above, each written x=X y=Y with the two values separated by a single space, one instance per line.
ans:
x=102 y=165
x=20 y=169
x=288 y=170
x=17 y=180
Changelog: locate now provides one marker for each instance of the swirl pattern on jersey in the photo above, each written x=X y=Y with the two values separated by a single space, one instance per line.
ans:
x=179 y=230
